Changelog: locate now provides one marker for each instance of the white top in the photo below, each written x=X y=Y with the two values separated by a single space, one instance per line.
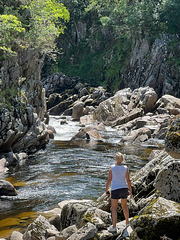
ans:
x=118 y=177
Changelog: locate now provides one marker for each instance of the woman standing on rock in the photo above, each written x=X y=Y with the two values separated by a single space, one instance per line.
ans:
x=120 y=189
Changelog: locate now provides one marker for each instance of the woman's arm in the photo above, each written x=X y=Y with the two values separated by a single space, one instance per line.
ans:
x=109 y=180
x=129 y=182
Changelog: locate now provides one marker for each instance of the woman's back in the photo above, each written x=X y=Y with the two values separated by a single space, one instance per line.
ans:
x=118 y=177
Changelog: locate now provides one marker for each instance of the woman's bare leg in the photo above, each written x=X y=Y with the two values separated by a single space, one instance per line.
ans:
x=125 y=209
x=114 y=204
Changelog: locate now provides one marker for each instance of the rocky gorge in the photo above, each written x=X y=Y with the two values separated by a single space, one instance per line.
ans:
x=140 y=116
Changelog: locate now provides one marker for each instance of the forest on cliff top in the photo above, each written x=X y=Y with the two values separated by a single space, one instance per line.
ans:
x=91 y=39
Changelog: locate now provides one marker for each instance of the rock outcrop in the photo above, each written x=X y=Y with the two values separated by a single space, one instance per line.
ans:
x=126 y=105
x=161 y=174
x=172 y=141
x=88 y=133
x=159 y=218
x=21 y=130
x=40 y=229
x=24 y=71
x=149 y=66
x=7 y=189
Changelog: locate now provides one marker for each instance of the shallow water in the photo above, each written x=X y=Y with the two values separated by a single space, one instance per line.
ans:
x=64 y=170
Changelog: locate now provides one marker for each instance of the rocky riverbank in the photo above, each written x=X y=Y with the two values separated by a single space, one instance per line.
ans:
x=154 y=211
x=140 y=117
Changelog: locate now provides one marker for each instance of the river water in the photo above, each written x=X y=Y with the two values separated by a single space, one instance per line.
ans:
x=64 y=170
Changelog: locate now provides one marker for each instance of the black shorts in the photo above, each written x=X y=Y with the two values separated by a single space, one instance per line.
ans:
x=120 y=193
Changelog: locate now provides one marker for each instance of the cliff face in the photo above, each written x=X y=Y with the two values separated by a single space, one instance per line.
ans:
x=21 y=126
x=25 y=67
x=93 y=53
x=151 y=65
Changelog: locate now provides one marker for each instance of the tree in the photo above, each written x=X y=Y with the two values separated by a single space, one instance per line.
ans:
x=170 y=16
x=10 y=32
x=31 y=23
x=46 y=23
x=130 y=18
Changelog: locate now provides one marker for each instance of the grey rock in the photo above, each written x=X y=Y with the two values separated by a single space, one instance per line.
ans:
x=86 y=232
x=61 y=107
x=159 y=173
x=7 y=189
x=77 y=110
x=79 y=86
x=167 y=180
x=51 y=128
x=98 y=217
x=16 y=236
x=40 y=229
x=161 y=217
x=137 y=136
x=67 y=232
x=149 y=66
x=53 y=100
x=68 y=112
x=126 y=105
x=169 y=103
x=3 y=165
x=88 y=133
x=172 y=140
x=73 y=210
x=83 y=92
x=71 y=214
x=55 y=221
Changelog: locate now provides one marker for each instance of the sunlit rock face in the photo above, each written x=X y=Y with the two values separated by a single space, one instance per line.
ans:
x=149 y=66
x=126 y=105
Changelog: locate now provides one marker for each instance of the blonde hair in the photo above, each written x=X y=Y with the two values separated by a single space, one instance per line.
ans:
x=119 y=157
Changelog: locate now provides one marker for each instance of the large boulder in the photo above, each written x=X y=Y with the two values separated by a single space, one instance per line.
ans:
x=172 y=140
x=88 y=133
x=137 y=136
x=61 y=107
x=40 y=229
x=77 y=111
x=168 y=179
x=3 y=165
x=126 y=105
x=53 y=100
x=16 y=236
x=159 y=218
x=169 y=104
x=84 y=233
x=162 y=169
x=72 y=212
x=156 y=123
x=67 y=232
x=98 y=217
x=7 y=189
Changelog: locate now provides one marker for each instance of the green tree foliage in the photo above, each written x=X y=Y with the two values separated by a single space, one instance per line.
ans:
x=31 y=23
x=10 y=32
x=46 y=23
x=170 y=16
x=139 y=17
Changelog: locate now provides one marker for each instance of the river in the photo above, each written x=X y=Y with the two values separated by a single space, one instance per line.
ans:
x=64 y=170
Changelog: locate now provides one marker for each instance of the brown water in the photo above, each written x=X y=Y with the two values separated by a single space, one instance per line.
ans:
x=64 y=170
